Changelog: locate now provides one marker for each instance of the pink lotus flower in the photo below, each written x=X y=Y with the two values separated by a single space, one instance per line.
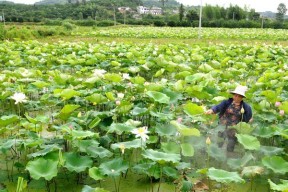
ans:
x=281 y=112
x=179 y=119
x=277 y=104
x=118 y=102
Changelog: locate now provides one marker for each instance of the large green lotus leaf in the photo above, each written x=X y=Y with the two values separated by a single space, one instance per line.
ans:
x=158 y=97
x=7 y=120
x=161 y=157
x=192 y=109
x=238 y=163
x=280 y=187
x=94 y=122
x=6 y=146
x=284 y=106
x=215 y=152
x=218 y=99
x=165 y=130
x=223 y=176
x=97 y=98
x=252 y=171
x=174 y=96
x=67 y=110
x=170 y=147
x=171 y=172
x=195 y=77
x=124 y=107
x=84 y=144
x=114 y=167
x=270 y=150
x=162 y=116
x=265 y=132
x=270 y=95
x=77 y=163
x=30 y=119
x=41 y=167
x=87 y=188
x=96 y=151
x=80 y=134
x=187 y=150
x=47 y=149
x=159 y=72
x=276 y=163
x=243 y=128
x=184 y=130
x=139 y=111
x=127 y=145
x=95 y=173
x=113 y=77
x=67 y=94
x=143 y=167
x=40 y=84
x=138 y=80
x=119 y=128
x=249 y=142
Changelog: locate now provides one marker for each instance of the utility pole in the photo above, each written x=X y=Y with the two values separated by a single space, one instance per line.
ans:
x=200 y=20
x=3 y=17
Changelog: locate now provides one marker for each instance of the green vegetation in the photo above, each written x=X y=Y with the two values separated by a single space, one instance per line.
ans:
x=98 y=112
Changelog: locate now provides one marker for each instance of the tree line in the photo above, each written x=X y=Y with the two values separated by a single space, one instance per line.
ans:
x=103 y=13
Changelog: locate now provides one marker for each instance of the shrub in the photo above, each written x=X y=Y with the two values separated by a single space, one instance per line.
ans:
x=105 y=23
x=172 y=24
x=68 y=26
x=159 y=23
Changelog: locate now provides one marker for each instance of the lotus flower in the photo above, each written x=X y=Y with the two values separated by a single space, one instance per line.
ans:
x=208 y=141
x=277 y=104
x=19 y=98
x=281 y=112
x=141 y=132
x=126 y=76
x=99 y=73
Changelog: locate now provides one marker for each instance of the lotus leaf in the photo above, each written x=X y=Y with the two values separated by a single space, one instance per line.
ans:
x=47 y=149
x=265 y=132
x=77 y=163
x=80 y=134
x=42 y=167
x=96 y=151
x=276 y=163
x=6 y=146
x=67 y=94
x=166 y=130
x=170 y=147
x=97 y=98
x=270 y=150
x=215 y=152
x=124 y=107
x=84 y=144
x=67 y=110
x=223 y=176
x=114 y=167
x=7 y=120
x=139 y=111
x=113 y=77
x=161 y=157
x=280 y=187
x=171 y=172
x=249 y=142
x=151 y=169
x=284 y=106
x=119 y=128
x=127 y=145
x=158 y=97
x=187 y=150
x=174 y=96
x=243 y=128
x=94 y=122
x=95 y=173
x=184 y=130
x=193 y=109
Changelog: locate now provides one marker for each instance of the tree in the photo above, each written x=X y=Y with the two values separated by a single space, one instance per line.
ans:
x=163 y=4
x=192 y=15
x=281 y=12
x=181 y=12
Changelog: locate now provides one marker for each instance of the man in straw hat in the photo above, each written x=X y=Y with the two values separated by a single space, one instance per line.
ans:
x=231 y=112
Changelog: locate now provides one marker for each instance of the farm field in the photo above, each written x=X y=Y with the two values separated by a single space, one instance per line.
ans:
x=117 y=109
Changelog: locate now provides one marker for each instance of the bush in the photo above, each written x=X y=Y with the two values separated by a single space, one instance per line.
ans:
x=105 y=23
x=159 y=23
x=85 y=22
x=172 y=24
x=46 y=32
x=52 y=22
x=2 y=32
x=19 y=33
x=68 y=26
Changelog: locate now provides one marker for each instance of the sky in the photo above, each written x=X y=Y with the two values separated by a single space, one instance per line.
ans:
x=258 y=5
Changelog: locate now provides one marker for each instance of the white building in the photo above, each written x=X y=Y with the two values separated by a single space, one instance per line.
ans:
x=153 y=10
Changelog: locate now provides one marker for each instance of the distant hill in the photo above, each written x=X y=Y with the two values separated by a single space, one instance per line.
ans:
x=6 y=2
x=271 y=15
x=51 y=2
x=169 y=3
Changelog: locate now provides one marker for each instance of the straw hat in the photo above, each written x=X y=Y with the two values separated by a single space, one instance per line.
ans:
x=240 y=90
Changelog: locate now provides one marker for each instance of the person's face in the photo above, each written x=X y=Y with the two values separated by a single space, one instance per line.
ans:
x=237 y=98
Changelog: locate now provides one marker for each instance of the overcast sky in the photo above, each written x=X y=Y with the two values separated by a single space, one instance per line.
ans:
x=258 y=5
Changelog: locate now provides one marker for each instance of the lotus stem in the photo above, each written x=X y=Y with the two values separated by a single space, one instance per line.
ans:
x=161 y=171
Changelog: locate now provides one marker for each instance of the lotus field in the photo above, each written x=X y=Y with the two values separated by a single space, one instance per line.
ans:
x=88 y=114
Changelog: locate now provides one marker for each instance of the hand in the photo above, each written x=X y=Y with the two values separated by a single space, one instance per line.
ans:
x=209 y=112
